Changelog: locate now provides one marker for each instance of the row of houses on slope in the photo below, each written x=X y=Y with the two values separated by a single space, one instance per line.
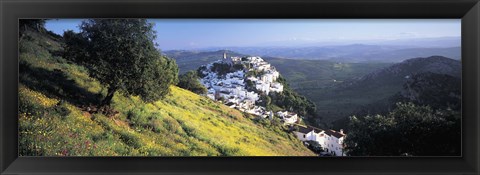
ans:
x=231 y=89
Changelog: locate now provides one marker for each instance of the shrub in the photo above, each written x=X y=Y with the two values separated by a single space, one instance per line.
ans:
x=61 y=109
x=138 y=117
x=130 y=139
x=227 y=151
x=190 y=81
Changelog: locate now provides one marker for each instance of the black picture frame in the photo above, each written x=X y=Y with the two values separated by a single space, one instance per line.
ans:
x=467 y=10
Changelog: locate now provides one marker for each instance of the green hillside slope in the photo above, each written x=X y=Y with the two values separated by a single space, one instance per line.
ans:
x=55 y=95
x=375 y=90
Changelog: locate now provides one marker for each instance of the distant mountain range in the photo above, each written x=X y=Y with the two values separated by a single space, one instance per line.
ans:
x=354 y=53
x=379 y=51
x=401 y=71
x=443 y=42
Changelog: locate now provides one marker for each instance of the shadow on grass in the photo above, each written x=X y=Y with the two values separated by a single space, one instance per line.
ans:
x=56 y=84
x=57 y=53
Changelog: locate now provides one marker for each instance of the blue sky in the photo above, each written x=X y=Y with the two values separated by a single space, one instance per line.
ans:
x=202 y=33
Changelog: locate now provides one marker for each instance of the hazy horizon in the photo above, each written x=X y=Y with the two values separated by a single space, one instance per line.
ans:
x=191 y=34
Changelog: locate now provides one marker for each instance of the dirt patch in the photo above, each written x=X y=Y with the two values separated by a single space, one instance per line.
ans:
x=87 y=115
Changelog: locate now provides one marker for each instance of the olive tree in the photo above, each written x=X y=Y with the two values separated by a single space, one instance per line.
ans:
x=121 y=54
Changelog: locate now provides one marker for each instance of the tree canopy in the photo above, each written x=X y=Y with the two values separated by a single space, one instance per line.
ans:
x=35 y=24
x=190 y=82
x=408 y=130
x=121 y=54
x=290 y=100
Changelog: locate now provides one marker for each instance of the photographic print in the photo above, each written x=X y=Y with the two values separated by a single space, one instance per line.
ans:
x=239 y=87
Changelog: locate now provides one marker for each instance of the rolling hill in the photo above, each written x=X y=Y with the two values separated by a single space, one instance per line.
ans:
x=378 y=87
x=395 y=56
x=313 y=74
x=57 y=118
x=438 y=91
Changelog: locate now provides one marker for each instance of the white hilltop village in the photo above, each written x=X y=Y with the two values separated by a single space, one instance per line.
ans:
x=231 y=89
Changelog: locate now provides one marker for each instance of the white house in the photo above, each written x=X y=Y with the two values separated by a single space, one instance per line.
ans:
x=211 y=96
x=276 y=87
x=291 y=118
x=333 y=142
x=252 y=96
x=262 y=66
x=254 y=60
x=270 y=76
x=306 y=133
x=264 y=87
x=267 y=78
x=288 y=117
x=330 y=140
x=252 y=78
x=245 y=104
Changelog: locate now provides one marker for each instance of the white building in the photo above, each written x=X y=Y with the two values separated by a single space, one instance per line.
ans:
x=252 y=96
x=262 y=66
x=276 y=87
x=262 y=86
x=306 y=133
x=288 y=117
x=330 y=140
x=270 y=76
x=267 y=78
x=252 y=78
x=230 y=60
x=333 y=142
x=254 y=60
x=211 y=96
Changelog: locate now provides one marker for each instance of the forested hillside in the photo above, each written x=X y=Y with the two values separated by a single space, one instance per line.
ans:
x=377 y=87
x=304 y=75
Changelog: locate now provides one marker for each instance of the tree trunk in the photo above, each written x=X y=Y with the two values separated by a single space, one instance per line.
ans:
x=106 y=101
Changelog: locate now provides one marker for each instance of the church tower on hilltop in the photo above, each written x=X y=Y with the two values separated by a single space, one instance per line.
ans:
x=225 y=54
